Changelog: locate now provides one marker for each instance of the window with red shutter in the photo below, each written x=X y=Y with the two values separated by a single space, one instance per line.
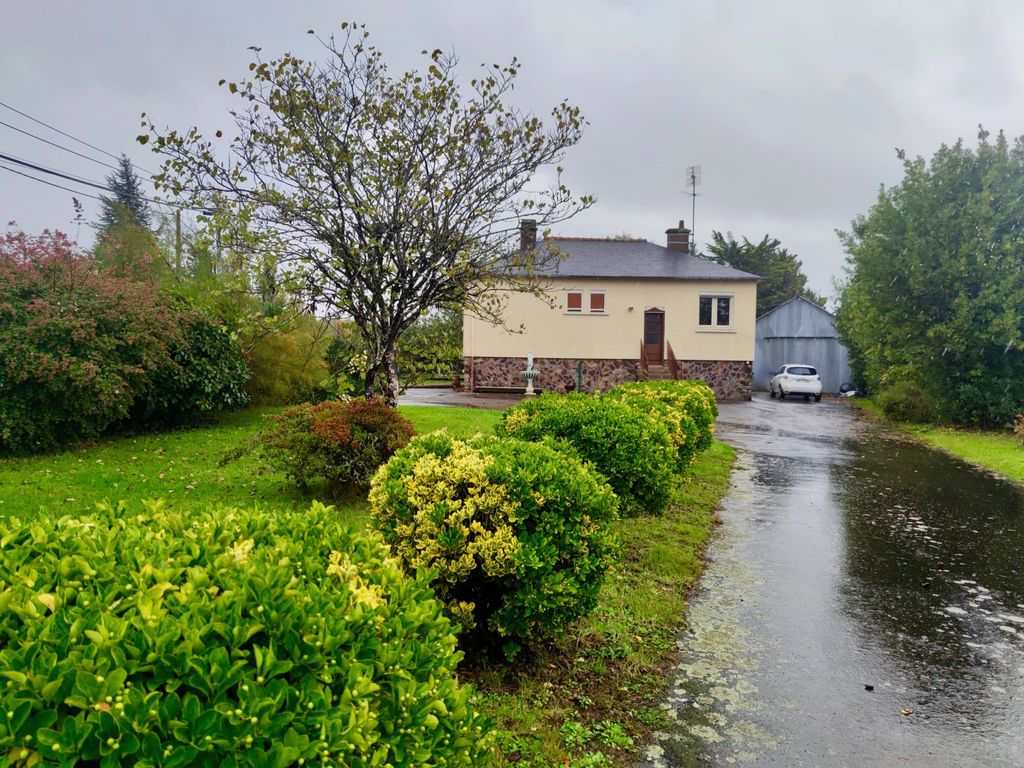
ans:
x=574 y=301
x=597 y=302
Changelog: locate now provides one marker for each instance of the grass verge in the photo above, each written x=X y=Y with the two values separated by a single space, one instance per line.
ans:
x=593 y=700
x=994 y=450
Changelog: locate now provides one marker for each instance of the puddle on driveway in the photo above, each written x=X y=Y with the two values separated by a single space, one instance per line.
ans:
x=864 y=605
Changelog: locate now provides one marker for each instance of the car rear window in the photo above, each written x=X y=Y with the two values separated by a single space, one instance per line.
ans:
x=801 y=370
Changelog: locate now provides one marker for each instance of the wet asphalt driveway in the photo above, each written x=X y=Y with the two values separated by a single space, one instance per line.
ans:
x=864 y=605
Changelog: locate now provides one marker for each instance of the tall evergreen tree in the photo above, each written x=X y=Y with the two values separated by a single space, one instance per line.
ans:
x=934 y=292
x=781 y=271
x=128 y=204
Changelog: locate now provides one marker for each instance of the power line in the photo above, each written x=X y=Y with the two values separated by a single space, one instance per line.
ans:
x=77 y=180
x=44 y=169
x=51 y=143
x=50 y=183
x=68 y=135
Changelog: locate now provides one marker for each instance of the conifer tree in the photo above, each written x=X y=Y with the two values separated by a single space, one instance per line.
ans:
x=128 y=204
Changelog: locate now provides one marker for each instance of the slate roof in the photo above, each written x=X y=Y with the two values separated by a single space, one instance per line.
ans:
x=635 y=260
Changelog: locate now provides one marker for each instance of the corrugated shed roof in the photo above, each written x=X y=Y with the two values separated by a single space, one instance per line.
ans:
x=634 y=259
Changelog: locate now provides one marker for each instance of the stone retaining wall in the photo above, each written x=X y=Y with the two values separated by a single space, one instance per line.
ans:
x=730 y=380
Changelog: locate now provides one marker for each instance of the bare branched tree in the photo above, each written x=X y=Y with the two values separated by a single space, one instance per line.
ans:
x=383 y=197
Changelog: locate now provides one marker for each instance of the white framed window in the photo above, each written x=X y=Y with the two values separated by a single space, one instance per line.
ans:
x=597 y=306
x=574 y=301
x=715 y=310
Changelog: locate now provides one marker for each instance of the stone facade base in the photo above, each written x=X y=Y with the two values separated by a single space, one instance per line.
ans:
x=730 y=380
x=555 y=374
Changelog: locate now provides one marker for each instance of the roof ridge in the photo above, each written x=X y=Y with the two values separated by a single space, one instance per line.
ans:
x=602 y=239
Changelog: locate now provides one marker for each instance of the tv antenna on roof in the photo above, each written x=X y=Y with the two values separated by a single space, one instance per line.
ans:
x=692 y=180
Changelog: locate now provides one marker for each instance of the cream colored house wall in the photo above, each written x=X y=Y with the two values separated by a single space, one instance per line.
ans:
x=617 y=333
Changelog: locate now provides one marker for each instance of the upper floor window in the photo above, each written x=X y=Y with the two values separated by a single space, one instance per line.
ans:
x=715 y=311
x=574 y=302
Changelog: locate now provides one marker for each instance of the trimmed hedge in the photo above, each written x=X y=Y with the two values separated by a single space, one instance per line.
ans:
x=682 y=429
x=518 y=535
x=226 y=637
x=628 y=446
x=694 y=398
x=341 y=442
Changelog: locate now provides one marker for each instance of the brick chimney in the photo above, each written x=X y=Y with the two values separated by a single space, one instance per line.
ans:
x=678 y=238
x=527 y=235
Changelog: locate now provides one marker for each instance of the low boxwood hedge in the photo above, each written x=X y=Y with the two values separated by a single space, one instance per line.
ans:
x=222 y=638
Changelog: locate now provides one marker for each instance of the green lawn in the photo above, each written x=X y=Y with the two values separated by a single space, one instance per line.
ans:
x=591 y=700
x=998 y=451
x=183 y=467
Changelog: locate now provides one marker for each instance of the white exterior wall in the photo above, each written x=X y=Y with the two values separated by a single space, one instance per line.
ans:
x=617 y=333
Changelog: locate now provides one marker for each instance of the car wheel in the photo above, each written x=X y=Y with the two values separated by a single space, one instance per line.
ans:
x=782 y=394
x=817 y=398
x=807 y=398
x=771 y=393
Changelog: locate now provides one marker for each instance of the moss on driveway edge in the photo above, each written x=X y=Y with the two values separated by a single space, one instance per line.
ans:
x=595 y=698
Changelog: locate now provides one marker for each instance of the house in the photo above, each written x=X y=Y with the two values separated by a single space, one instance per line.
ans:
x=621 y=310
x=799 y=331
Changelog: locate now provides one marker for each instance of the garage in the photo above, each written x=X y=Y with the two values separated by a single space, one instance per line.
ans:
x=799 y=331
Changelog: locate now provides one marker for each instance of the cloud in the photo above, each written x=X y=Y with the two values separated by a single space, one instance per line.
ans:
x=794 y=109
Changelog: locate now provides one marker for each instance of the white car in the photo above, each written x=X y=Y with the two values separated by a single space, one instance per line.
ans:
x=796 y=379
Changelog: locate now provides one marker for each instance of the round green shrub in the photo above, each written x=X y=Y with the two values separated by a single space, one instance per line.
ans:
x=341 y=442
x=694 y=398
x=517 y=535
x=907 y=400
x=625 y=444
x=682 y=429
x=226 y=637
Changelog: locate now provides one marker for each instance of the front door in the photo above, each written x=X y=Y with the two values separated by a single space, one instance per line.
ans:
x=654 y=336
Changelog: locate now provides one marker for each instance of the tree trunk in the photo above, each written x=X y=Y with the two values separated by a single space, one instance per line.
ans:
x=368 y=381
x=392 y=386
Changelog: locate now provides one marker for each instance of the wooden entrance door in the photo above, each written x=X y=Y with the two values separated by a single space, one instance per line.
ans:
x=654 y=336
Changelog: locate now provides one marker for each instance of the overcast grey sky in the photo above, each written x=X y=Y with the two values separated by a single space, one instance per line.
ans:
x=793 y=109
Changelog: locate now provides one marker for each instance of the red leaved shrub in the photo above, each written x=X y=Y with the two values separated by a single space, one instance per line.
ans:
x=76 y=344
x=339 y=442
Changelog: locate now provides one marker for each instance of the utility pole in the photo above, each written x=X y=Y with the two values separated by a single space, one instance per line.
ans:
x=177 y=241
x=693 y=179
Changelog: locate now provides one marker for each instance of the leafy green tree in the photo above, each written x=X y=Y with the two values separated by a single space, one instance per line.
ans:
x=384 y=197
x=128 y=204
x=933 y=299
x=781 y=271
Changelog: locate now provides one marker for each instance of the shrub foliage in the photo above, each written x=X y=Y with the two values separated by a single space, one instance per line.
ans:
x=517 y=535
x=222 y=638
x=694 y=400
x=83 y=349
x=339 y=442
x=628 y=446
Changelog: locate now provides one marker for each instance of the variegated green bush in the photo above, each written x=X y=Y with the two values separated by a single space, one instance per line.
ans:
x=629 y=447
x=222 y=638
x=517 y=535
x=695 y=398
